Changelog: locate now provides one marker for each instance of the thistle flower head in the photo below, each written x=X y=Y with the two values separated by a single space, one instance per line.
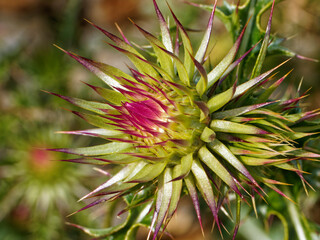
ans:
x=177 y=123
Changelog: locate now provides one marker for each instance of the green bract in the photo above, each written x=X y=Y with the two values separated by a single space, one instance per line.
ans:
x=174 y=123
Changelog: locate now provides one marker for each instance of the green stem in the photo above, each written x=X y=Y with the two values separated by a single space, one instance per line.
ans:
x=246 y=38
x=295 y=218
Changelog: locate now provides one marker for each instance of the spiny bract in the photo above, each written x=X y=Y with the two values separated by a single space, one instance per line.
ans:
x=176 y=123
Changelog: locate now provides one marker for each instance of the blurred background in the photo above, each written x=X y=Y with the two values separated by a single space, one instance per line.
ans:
x=37 y=191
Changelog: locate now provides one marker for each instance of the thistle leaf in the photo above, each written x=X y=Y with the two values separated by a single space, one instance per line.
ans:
x=96 y=132
x=87 y=105
x=188 y=63
x=124 y=231
x=105 y=72
x=135 y=57
x=117 y=158
x=298 y=135
x=108 y=94
x=238 y=111
x=241 y=89
x=236 y=63
x=212 y=162
x=139 y=61
x=163 y=199
x=176 y=191
x=191 y=186
x=140 y=165
x=120 y=176
x=208 y=135
x=264 y=96
x=252 y=161
x=205 y=188
x=263 y=50
x=108 y=148
x=288 y=167
x=313 y=145
x=206 y=37
x=231 y=127
x=163 y=57
x=185 y=166
x=224 y=152
x=203 y=81
x=221 y=99
x=165 y=32
x=96 y=120
x=217 y=72
x=148 y=173
x=182 y=72
x=101 y=232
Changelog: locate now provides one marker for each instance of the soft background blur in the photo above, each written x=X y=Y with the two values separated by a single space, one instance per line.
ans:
x=36 y=191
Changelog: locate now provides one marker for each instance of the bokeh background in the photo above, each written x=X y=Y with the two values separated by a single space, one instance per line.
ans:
x=37 y=191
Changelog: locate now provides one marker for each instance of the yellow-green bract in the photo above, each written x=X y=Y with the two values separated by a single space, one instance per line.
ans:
x=176 y=123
